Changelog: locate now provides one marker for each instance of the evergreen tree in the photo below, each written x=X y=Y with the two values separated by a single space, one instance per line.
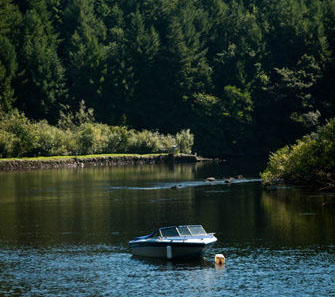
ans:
x=326 y=90
x=85 y=54
x=8 y=68
x=41 y=83
x=10 y=19
x=119 y=83
x=239 y=47
x=143 y=46
x=183 y=66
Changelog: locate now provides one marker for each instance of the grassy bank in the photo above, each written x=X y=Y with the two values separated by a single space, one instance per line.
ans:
x=10 y=164
x=51 y=158
x=311 y=161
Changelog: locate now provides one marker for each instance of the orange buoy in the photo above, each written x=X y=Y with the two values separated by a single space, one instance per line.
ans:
x=219 y=259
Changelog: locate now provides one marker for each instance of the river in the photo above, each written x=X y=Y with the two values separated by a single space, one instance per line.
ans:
x=65 y=232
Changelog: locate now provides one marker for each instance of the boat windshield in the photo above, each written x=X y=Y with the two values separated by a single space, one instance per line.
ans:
x=188 y=230
x=169 y=232
x=197 y=230
x=155 y=234
x=184 y=231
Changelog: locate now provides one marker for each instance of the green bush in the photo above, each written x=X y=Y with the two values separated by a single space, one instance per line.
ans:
x=20 y=137
x=117 y=140
x=17 y=124
x=307 y=160
x=51 y=141
x=7 y=141
x=144 y=142
x=93 y=138
x=184 y=141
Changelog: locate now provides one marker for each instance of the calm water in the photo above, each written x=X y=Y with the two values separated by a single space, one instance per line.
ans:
x=65 y=233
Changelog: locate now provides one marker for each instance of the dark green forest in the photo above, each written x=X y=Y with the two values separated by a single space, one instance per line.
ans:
x=246 y=77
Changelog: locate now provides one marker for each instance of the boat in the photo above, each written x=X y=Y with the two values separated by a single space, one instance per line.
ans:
x=186 y=241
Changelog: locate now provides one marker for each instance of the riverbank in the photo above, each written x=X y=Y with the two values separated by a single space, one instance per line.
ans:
x=94 y=160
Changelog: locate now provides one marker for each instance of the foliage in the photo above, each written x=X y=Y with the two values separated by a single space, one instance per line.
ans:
x=69 y=120
x=10 y=19
x=145 y=141
x=21 y=137
x=7 y=141
x=41 y=74
x=27 y=138
x=310 y=160
x=184 y=140
x=244 y=76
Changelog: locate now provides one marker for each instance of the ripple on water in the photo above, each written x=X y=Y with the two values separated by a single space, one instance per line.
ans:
x=184 y=184
x=111 y=271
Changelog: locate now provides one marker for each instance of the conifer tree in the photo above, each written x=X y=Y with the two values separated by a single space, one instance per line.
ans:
x=41 y=83
x=8 y=68
x=85 y=54
x=143 y=46
x=10 y=19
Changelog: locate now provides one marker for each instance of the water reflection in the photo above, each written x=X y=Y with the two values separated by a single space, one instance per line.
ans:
x=66 y=232
x=299 y=216
x=48 y=207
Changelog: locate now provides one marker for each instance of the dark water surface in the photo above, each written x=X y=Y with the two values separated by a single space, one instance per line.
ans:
x=65 y=233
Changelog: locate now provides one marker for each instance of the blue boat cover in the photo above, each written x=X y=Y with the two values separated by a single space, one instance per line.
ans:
x=145 y=236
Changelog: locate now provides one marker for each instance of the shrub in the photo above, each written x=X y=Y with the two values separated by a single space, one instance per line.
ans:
x=118 y=140
x=307 y=160
x=184 y=141
x=93 y=138
x=20 y=137
x=17 y=124
x=144 y=142
x=50 y=141
x=7 y=141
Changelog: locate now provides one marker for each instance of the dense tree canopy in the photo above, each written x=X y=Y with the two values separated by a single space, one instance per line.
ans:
x=244 y=76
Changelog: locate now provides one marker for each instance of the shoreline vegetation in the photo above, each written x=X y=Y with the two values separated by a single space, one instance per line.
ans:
x=78 y=141
x=12 y=164
x=79 y=135
x=309 y=162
